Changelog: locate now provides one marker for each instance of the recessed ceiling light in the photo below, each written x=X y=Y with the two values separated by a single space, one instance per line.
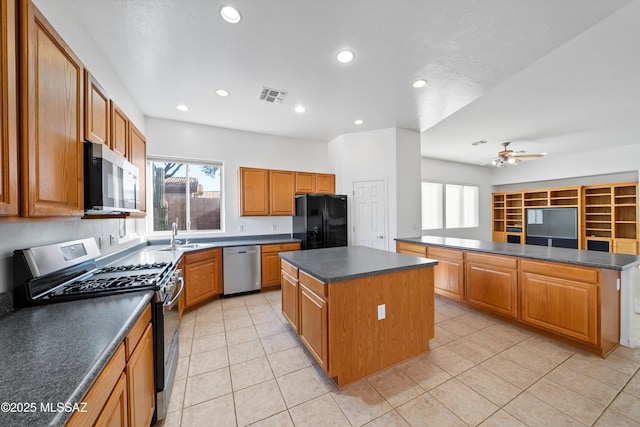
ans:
x=182 y=107
x=222 y=92
x=345 y=56
x=300 y=109
x=230 y=14
x=358 y=122
x=419 y=83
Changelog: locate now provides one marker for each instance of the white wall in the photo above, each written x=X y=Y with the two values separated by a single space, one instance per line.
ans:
x=599 y=162
x=392 y=155
x=458 y=173
x=368 y=155
x=237 y=148
x=408 y=189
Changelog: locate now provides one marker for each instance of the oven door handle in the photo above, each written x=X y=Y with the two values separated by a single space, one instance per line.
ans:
x=169 y=304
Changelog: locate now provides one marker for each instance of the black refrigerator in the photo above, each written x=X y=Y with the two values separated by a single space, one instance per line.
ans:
x=320 y=220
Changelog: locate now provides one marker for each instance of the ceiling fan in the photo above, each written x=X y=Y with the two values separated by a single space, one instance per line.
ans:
x=509 y=157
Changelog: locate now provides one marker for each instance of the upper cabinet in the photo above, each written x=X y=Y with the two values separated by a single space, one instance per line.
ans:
x=96 y=112
x=9 y=202
x=325 y=183
x=281 y=193
x=265 y=192
x=308 y=182
x=305 y=182
x=254 y=192
x=138 y=150
x=49 y=105
x=51 y=90
x=119 y=130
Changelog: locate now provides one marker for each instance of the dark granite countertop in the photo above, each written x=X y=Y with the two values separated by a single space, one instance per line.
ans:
x=331 y=265
x=223 y=242
x=595 y=259
x=54 y=353
x=159 y=251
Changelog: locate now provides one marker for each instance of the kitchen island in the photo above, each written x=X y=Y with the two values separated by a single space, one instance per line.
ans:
x=358 y=310
x=583 y=298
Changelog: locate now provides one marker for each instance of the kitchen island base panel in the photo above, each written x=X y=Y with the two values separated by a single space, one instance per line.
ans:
x=359 y=343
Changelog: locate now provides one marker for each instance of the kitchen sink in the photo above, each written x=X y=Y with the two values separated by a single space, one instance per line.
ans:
x=186 y=247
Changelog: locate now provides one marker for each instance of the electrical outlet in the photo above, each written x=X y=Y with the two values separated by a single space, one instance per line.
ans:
x=274 y=227
x=382 y=312
x=113 y=239
x=241 y=228
x=99 y=242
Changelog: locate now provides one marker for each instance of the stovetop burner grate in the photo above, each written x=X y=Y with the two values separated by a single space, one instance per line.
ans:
x=132 y=267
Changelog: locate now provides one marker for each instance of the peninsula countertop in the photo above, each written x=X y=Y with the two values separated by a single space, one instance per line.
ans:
x=595 y=259
x=330 y=265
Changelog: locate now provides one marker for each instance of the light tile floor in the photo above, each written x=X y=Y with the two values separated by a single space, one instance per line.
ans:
x=240 y=364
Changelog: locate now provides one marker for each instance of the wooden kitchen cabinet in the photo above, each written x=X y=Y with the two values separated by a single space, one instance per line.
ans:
x=119 y=130
x=290 y=294
x=97 y=112
x=561 y=299
x=116 y=411
x=51 y=91
x=254 y=192
x=411 y=249
x=101 y=391
x=140 y=381
x=138 y=156
x=281 y=193
x=270 y=262
x=325 y=183
x=270 y=265
x=309 y=182
x=449 y=273
x=492 y=283
x=202 y=275
x=9 y=201
x=313 y=321
x=305 y=182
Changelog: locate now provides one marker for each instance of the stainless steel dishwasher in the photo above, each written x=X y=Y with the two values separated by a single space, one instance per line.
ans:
x=241 y=269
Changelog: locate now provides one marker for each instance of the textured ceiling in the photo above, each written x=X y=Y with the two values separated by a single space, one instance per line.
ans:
x=168 y=52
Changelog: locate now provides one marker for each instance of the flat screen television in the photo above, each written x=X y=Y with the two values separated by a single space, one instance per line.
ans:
x=552 y=223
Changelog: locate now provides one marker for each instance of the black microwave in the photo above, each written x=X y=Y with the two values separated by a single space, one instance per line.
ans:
x=110 y=181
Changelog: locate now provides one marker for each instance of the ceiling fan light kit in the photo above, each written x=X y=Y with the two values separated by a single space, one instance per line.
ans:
x=508 y=157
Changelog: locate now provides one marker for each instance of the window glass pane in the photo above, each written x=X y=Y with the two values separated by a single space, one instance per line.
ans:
x=169 y=202
x=471 y=209
x=461 y=206
x=431 y=205
x=454 y=206
x=204 y=193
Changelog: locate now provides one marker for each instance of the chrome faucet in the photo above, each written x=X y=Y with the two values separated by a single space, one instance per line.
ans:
x=174 y=233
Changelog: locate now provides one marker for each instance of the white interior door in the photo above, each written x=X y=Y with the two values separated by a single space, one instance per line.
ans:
x=370 y=214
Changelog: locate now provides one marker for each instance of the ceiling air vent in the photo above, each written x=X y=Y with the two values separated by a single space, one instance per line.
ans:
x=273 y=96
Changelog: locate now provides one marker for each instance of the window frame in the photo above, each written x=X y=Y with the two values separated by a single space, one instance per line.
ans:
x=203 y=162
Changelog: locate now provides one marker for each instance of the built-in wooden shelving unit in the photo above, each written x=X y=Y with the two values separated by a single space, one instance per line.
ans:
x=608 y=214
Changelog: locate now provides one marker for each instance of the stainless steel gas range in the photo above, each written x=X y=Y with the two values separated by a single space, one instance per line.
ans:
x=68 y=271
